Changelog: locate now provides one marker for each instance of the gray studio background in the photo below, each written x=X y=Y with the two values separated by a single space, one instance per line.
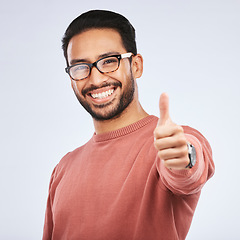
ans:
x=190 y=50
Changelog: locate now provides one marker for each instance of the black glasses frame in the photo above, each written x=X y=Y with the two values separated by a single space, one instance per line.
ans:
x=91 y=65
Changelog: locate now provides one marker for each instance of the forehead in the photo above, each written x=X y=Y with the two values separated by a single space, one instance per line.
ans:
x=93 y=43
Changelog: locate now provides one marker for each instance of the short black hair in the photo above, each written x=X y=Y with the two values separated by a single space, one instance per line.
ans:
x=99 y=19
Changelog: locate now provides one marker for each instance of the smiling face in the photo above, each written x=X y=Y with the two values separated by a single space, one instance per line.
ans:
x=104 y=96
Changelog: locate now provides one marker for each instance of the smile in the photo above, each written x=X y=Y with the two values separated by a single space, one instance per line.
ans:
x=102 y=95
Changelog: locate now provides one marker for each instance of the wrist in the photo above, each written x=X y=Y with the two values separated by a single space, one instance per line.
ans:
x=191 y=155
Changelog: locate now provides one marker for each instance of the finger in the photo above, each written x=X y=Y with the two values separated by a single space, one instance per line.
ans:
x=177 y=163
x=169 y=142
x=173 y=153
x=167 y=130
x=164 y=108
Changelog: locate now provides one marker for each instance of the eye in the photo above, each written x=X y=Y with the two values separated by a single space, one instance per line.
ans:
x=80 y=67
x=109 y=61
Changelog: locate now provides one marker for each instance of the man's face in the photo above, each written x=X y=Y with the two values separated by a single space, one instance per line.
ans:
x=104 y=96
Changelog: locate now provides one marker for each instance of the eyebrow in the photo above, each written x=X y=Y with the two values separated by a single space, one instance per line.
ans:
x=82 y=60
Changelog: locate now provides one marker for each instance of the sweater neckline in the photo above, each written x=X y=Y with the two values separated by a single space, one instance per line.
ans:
x=123 y=131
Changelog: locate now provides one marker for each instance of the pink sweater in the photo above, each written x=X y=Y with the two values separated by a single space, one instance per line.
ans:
x=115 y=187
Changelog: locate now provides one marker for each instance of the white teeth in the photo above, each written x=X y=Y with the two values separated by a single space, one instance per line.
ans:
x=102 y=94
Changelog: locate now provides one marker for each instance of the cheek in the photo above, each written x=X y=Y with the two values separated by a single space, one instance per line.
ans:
x=124 y=74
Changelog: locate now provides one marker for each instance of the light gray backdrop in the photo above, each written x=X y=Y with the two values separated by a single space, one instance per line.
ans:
x=190 y=49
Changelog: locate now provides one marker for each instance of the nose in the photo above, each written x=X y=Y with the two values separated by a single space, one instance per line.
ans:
x=96 y=77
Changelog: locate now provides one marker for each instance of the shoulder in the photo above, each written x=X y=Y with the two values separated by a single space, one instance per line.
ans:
x=192 y=131
x=71 y=158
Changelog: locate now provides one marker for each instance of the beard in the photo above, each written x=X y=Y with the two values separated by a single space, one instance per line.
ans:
x=109 y=110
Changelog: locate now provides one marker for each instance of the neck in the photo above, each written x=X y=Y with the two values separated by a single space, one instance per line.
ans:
x=130 y=115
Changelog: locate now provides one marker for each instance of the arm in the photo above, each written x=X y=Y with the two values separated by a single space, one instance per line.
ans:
x=171 y=143
x=189 y=181
x=48 y=223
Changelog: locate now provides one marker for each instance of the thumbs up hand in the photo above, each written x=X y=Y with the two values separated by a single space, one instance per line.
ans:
x=169 y=139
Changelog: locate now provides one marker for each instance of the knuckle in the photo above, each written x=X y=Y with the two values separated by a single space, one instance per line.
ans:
x=186 y=161
x=179 y=129
x=181 y=141
x=184 y=151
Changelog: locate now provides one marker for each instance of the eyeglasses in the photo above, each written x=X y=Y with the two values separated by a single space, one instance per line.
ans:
x=104 y=65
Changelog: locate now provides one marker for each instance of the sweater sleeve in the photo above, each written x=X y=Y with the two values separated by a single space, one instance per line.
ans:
x=190 y=181
x=48 y=223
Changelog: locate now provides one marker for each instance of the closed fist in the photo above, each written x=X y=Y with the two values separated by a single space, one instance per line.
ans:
x=169 y=139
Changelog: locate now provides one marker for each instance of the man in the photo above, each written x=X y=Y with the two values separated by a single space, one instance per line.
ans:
x=138 y=177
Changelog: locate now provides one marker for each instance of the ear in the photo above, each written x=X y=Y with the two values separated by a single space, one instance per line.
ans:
x=137 y=65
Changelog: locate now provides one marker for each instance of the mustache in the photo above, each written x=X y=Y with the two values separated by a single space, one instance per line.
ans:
x=105 y=84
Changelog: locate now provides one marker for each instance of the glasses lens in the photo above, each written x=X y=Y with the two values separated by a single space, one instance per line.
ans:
x=108 y=64
x=79 y=71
